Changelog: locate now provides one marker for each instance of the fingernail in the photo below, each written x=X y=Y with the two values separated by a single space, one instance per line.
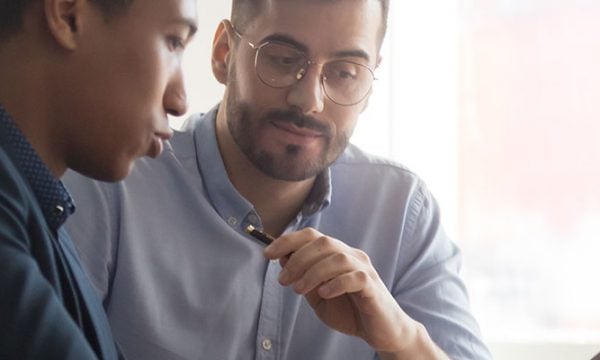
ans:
x=324 y=291
x=284 y=276
x=267 y=248
x=299 y=286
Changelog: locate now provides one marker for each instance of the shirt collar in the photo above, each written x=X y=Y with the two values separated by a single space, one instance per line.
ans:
x=320 y=196
x=228 y=202
x=53 y=197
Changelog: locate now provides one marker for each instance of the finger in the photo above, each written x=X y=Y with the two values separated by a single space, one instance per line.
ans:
x=347 y=283
x=306 y=257
x=289 y=243
x=284 y=260
x=326 y=269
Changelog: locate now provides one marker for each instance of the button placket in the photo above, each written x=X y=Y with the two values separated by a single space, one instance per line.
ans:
x=269 y=321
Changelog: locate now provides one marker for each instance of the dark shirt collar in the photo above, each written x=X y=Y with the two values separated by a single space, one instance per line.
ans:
x=53 y=197
x=320 y=195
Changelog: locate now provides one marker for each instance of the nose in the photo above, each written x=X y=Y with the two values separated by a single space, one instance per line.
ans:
x=175 y=98
x=307 y=94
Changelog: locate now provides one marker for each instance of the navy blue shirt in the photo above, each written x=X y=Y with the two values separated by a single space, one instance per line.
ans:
x=48 y=308
x=55 y=201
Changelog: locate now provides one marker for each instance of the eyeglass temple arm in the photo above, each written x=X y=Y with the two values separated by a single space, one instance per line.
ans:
x=237 y=33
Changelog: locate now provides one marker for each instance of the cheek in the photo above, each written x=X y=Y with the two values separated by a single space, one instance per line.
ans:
x=250 y=89
x=345 y=119
x=144 y=70
x=243 y=88
x=146 y=77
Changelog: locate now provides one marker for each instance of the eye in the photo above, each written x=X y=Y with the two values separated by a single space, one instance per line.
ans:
x=175 y=42
x=342 y=71
x=281 y=56
x=281 y=60
x=347 y=75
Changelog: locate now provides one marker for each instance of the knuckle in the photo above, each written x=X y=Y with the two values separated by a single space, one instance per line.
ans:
x=361 y=276
x=324 y=242
x=362 y=256
x=311 y=232
x=342 y=259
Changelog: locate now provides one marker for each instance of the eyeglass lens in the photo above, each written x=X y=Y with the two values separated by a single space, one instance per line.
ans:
x=345 y=82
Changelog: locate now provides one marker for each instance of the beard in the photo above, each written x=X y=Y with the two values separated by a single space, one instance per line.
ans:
x=294 y=163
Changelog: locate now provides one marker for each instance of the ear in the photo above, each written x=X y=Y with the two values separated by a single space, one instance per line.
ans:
x=220 y=51
x=63 y=18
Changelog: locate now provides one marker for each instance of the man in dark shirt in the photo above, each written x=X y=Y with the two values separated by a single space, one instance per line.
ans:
x=86 y=85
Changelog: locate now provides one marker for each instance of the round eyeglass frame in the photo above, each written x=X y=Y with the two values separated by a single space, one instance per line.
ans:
x=300 y=76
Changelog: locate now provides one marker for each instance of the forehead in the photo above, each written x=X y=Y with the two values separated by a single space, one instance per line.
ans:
x=164 y=12
x=322 y=26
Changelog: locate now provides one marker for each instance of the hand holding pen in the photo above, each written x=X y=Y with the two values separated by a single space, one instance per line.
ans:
x=343 y=288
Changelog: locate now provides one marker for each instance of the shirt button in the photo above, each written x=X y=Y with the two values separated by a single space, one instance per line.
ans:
x=58 y=210
x=267 y=344
x=232 y=221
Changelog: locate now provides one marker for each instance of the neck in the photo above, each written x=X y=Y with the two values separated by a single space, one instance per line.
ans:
x=277 y=202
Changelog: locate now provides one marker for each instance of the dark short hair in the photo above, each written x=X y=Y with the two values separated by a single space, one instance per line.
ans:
x=244 y=11
x=12 y=11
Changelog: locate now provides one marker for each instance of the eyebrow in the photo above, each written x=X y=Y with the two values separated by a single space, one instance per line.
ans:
x=355 y=53
x=190 y=23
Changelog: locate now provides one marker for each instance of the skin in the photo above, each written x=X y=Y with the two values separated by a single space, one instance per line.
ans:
x=338 y=281
x=93 y=95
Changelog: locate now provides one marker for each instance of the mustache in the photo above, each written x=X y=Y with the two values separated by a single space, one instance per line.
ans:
x=299 y=120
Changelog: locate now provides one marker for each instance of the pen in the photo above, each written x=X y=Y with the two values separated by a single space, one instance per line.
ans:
x=259 y=235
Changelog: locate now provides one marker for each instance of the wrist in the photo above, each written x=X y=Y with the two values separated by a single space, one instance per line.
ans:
x=417 y=345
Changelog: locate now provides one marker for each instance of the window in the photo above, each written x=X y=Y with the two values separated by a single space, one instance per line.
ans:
x=496 y=104
x=529 y=168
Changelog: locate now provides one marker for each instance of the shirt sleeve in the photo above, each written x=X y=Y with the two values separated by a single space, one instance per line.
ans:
x=35 y=324
x=428 y=286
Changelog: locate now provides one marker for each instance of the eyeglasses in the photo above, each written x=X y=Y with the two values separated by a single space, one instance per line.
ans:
x=279 y=65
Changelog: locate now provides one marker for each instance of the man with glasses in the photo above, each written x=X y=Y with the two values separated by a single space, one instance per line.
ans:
x=360 y=267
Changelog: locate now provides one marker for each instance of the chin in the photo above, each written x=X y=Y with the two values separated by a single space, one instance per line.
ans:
x=119 y=173
x=109 y=173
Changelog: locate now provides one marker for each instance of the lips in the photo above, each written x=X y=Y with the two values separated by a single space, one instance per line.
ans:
x=287 y=133
x=156 y=145
x=296 y=130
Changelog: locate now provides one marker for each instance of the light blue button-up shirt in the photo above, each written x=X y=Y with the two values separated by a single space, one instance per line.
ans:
x=181 y=279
